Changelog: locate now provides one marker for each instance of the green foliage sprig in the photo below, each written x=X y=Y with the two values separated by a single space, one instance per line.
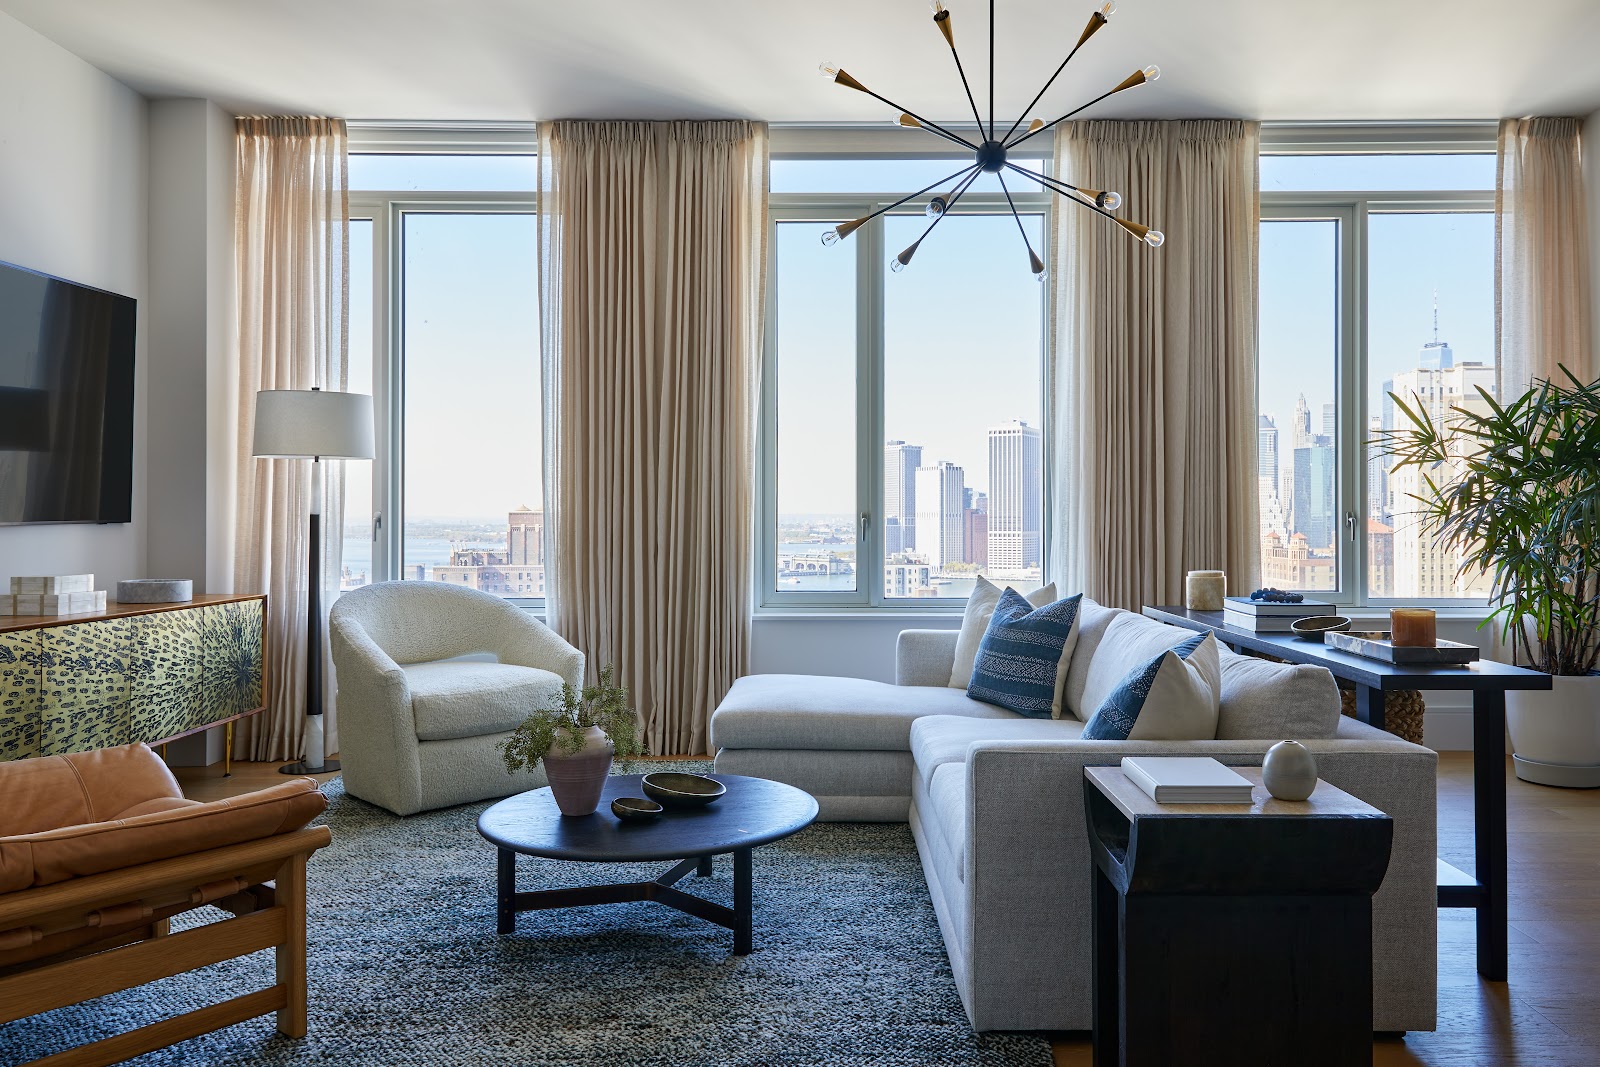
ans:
x=561 y=729
x=1526 y=509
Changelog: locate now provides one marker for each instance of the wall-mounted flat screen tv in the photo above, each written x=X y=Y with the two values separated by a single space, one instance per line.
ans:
x=66 y=400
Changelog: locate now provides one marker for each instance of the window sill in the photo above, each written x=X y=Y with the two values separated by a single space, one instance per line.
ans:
x=825 y=613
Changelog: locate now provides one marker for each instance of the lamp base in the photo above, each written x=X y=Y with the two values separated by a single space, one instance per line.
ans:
x=305 y=768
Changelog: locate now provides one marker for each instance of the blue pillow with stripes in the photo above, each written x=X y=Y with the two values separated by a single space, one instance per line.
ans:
x=1021 y=653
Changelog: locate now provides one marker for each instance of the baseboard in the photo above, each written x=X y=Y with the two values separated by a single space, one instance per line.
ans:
x=1448 y=729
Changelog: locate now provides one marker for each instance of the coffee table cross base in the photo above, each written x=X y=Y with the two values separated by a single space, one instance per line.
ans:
x=661 y=890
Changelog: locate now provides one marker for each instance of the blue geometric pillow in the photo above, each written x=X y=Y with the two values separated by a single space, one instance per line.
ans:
x=1115 y=719
x=1020 y=653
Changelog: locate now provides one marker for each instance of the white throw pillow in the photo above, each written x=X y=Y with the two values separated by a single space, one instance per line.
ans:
x=1171 y=696
x=1128 y=641
x=975 y=622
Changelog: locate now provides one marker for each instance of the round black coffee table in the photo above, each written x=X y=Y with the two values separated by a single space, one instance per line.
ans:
x=752 y=813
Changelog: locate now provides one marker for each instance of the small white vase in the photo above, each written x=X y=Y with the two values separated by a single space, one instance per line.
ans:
x=577 y=778
x=1555 y=735
x=1289 y=771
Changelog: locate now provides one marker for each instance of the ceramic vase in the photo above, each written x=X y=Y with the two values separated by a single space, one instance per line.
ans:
x=577 y=778
x=1289 y=771
x=1556 y=734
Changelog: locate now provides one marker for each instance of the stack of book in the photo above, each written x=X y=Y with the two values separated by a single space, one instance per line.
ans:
x=1187 y=780
x=64 y=594
x=1270 y=617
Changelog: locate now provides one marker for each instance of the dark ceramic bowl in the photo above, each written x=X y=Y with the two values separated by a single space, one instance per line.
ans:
x=678 y=790
x=1316 y=626
x=635 y=809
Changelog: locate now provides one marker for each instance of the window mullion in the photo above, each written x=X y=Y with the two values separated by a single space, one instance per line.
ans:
x=869 y=407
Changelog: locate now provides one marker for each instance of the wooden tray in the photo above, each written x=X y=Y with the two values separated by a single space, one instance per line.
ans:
x=1375 y=644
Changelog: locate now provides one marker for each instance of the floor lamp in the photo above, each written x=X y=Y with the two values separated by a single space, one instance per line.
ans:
x=315 y=425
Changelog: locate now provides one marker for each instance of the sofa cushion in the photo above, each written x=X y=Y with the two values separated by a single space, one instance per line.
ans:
x=1093 y=621
x=1128 y=640
x=981 y=602
x=940 y=739
x=75 y=851
x=1019 y=662
x=947 y=811
x=1170 y=697
x=816 y=712
x=1276 y=701
x=81 y=787
x=465 y=698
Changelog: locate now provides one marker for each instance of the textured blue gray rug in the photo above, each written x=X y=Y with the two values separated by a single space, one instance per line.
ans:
x=406 y=968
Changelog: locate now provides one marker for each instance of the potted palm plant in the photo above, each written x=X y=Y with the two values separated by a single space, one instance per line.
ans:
x=1514 y=489
x=577 y=742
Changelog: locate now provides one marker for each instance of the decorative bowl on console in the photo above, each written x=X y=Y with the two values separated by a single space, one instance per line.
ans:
x=1313 y=628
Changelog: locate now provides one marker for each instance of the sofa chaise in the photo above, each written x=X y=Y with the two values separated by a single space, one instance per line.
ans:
x=995 y=804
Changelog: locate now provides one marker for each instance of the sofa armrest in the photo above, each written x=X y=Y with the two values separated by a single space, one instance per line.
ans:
x=1028 y=865
x=925 y=657
x=530 y=643
x=377 y=726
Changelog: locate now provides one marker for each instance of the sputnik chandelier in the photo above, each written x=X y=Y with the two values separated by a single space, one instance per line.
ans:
x=991 y=155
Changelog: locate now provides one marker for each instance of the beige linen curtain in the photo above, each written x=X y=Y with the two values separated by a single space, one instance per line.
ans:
x=1154 y=362
x=291 y=247
x=652 y=270
x=1542 y=311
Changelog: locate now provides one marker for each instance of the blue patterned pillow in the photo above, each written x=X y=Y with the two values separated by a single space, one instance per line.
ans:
x=1020 y=653
x=1115 y=719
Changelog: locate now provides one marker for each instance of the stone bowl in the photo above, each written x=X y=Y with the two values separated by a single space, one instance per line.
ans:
x=1313 y=628
x=675 y=789
x=155 y=591
x=635 y=809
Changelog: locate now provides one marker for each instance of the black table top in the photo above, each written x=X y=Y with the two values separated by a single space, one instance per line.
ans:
x=1485 y=674
x=753 y=812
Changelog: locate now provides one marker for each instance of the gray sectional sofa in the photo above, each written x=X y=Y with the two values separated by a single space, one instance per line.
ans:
x=995 y=803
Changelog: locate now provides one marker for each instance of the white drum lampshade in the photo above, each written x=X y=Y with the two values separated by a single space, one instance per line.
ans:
x=313 y=422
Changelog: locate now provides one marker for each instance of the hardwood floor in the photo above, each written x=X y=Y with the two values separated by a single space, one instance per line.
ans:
x=1548 y=1015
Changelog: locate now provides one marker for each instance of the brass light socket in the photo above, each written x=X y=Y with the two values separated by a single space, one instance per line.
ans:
x=845 y=229
x=909 y=120
x=1036 y=125
x=1096 y=20
x=1137 y=229
x=1136 y=78
x=942 y=20
x=1035 y=262
x=843 y=78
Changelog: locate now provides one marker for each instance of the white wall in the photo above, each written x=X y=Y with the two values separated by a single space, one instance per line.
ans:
x=72 y=203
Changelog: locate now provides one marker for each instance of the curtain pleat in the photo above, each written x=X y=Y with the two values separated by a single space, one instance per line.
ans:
x=1154 y=362
x=1542 y=312
x=291 y=240
x=652 y=274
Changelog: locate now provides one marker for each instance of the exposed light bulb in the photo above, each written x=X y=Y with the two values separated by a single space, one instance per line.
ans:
x=1153 y=238
x=1152 y=72
x=1109 y=200
x=936 y=7
x=827 y=70
x=830 y=238
x=1108 y=9
x=897 y=264
x=937 y=206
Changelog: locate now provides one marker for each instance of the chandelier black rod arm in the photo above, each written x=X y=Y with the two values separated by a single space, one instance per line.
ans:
x=963 y=72
x=926 y=124
x=954 y=199
x=1059 y=121
x=1014 y=214
x=890 y=207
x=1066 y=190
x=991 y=70
x=1046 y=89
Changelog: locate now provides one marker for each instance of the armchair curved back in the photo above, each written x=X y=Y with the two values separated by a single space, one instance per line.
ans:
x=414 y=622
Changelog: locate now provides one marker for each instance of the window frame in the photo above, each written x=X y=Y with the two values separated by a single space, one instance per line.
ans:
x=869 y=596
x=387 y=210
x=1354 y=210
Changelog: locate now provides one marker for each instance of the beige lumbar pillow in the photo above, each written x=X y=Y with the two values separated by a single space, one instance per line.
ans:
x=975 y=623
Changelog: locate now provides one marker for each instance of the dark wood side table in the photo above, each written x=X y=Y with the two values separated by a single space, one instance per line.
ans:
x=1488 y=682
x=1232 y=933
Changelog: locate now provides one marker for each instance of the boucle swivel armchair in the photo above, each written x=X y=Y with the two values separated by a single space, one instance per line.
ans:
x=432 y=677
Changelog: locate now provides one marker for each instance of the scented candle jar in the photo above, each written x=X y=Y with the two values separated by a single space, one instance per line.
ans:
x=1204 y=590
x=1413 y=628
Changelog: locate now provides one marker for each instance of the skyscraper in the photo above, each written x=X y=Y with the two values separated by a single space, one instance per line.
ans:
x=1312 y=506
x=1267 y=452
x=1377 y=473
x=1330 y=421
x=975 y=528
x=900 y=463
x=525 y=537
x=939 y=497
x=1016 y=509
x=1300 y=428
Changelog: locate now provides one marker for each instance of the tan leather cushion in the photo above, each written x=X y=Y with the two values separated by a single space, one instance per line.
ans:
x=74 y=851
x=84 y=787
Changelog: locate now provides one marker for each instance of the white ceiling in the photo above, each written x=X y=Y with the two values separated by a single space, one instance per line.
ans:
x=542 y=59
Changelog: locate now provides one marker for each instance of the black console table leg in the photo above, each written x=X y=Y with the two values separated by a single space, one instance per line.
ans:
x=704 y=870
x=505 y=913
x=1489 y=828
x=1369 y=706
x=743 y=903
x=1104 y=957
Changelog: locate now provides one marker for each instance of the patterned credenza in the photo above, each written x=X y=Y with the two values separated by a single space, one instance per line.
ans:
x=134 y=672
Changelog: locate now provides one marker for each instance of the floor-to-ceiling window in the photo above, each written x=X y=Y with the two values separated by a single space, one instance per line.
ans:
x=1377 y=281
x=903 y=411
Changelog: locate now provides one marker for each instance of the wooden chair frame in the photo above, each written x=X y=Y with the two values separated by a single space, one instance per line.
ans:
x=263 y=883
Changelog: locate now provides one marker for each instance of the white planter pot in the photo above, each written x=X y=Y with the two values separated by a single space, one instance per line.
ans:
x=1556 y=735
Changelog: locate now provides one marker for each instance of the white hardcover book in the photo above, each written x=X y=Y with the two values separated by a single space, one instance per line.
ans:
x=1247 y=606
x=1261 y=624
x=1187 y=780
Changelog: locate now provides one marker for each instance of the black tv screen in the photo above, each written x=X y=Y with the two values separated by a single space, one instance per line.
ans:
x=66 y=400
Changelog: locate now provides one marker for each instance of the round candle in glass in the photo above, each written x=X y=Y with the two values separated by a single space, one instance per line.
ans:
x=1413 y=628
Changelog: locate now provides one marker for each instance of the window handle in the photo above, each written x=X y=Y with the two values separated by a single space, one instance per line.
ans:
x=1350 y=526
x=866 y=524
x=377 y=524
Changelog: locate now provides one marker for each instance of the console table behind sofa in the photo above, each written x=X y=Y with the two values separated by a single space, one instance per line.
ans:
x=134 y=672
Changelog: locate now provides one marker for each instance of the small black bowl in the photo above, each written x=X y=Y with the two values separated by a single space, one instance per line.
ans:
x=635 y=809
x=676 y=789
